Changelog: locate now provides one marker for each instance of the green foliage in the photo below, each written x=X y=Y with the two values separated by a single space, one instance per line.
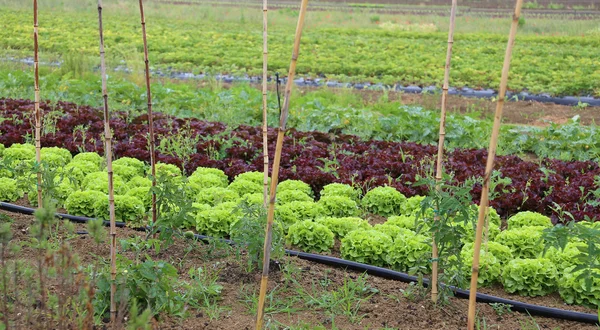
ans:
x=249 y=230
x=310 y=236
x=98 y=181
x=78 y=170
x=293 y=212
x=2 y=148
x=256 y=177
x=296 y=185
x=342 y=226
x=492 y=232
x=501 y=252
x=412 y=206
x=82 y=202
x=212 y=171
x=253 y=199
x=215 y=222
x=89 y=157
x=128 y=209
x=125 y=172
x=528 y=219
x=198 y=182
x=524 y=242
x=340 y=189
x=570 y=255
x=9 y=191
x=490 y=269
x=288 y=196
x=61 y=190
x=242 y=187
x=63 y=156
x=137 y=164
x=168 y=170
x=573 y=288
x=216 y=195
x=393 y=231
x=19 y=151
x=410 y=251
x=366 y=246
x=530 y=277
x=151 y=284
x=404 y=221
x=143 y=194
x=384 y=201
x=139 y=181
x=338 y=206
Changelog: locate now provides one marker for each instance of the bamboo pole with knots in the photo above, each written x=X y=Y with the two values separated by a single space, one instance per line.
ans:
x=36 y=108
x=264 y=108
x=108 y=154
x=276 y=162
x=484 y=201
x=150 y=115
x=440 y=154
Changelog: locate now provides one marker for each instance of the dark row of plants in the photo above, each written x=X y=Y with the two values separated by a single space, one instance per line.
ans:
x=548 y=186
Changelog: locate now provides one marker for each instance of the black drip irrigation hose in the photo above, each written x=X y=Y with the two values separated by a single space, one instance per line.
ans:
x=531 y=309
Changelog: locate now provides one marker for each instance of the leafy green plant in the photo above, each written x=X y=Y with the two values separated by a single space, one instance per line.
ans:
x=249 y=231
x=291 y=212
x=384 y=201
x=125 y=172
x=296 y=185
x=410 y=251
x=9 y=190
x=128 y=209
x=528 y=219
x=82 y=202
x=242 y=187
x=490 y=269
x=366 y=246
x=411 y=206
x=203 y=291
x=214 y=222
x=89 y=157
x=338 y=206
x=530 y=277
x=212 y=171
x=80 y=169
x=216 y=195
x=404 y=221
x=137 y=164
x=19 y=151
x=524 y=242
x=342 y=226
x=577 y=287
x=393 y=231
x=310 y=236
x=501 y=252
x=198 y=182
x=61 y=156
x=288 y=196
x=340 y=189
x=256 y=177
x=167 y=170
x=139 y=181
x=98 y=181
x=143 y=194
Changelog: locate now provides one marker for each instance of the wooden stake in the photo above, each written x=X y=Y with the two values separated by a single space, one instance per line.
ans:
x=150 y=115
x=276 y=162
x=111 y=193
x=264 y=105
x=440 y=155
x=490 y=166
x=37 y=112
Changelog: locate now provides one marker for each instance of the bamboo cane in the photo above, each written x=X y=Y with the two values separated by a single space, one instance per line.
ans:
x=37 y=113
x=108 y=154
x=150 y=115
x=276 y=162
x=264 y=105
x=440 y=155
x=490 y=165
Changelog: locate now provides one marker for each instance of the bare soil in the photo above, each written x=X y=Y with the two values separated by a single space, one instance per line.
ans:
x=387 y=308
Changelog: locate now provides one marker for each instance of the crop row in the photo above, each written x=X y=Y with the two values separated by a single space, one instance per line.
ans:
x=548 y=187
x=555 y=65
x=516 y=256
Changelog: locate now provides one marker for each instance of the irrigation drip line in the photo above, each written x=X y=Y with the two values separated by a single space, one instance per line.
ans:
x=518 y=306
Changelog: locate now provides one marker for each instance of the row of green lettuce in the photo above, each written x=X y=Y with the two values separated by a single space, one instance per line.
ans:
x=541 y=64
x=517 y=257
x=322 y=110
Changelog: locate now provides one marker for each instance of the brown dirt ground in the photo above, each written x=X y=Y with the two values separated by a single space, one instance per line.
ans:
x=387 y=308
